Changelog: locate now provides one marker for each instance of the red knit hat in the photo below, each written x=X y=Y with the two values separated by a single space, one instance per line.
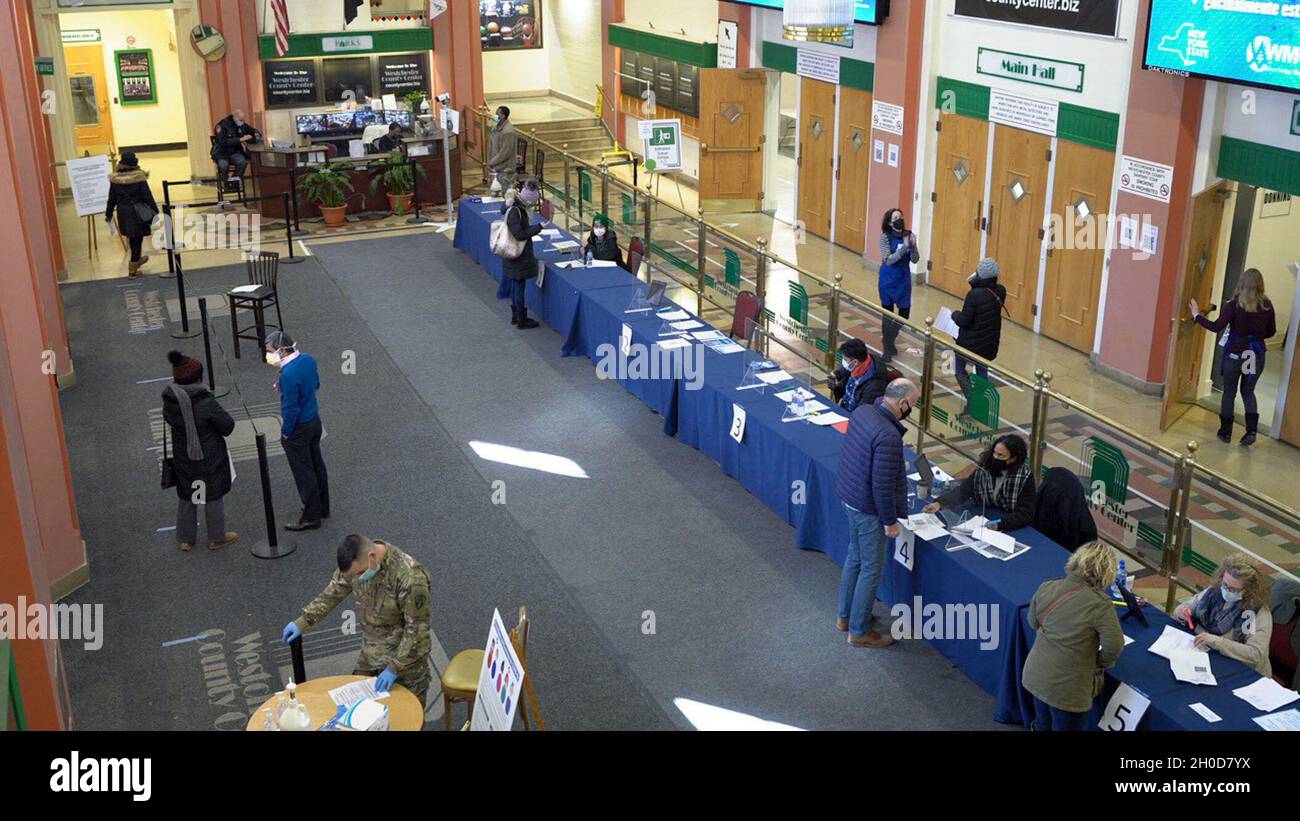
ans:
x=185 y=370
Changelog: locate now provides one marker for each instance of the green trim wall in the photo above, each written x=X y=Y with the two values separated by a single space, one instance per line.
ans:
x=1276 y=169
x=853 y=73
x=1076 y=123
x=310 y=45
x=701 y=55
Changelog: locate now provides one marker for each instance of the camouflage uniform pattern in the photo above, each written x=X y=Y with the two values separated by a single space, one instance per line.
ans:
x=393 y=609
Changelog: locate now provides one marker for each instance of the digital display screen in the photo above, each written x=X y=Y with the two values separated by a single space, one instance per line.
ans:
x=405 y=119
x=1252 y=43
x=867 y=11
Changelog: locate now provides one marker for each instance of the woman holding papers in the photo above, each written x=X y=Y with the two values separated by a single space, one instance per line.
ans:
x=1000 y=480
x=602 y=243
x=1231 y=615
x=980 y=322
x=519 y=270
x=1078 y=637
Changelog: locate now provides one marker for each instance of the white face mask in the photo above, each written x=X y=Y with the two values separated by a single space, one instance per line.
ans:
x=599 y=232
x=847 y=364
x=273 y=358
x=1230 y=595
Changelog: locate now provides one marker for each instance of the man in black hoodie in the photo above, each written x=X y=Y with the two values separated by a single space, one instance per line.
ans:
x=980 y=322
x=233 y=134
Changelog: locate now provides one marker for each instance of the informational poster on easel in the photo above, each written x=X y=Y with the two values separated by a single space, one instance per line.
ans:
x=499 y=681
x=661 y=141
x=88 y=177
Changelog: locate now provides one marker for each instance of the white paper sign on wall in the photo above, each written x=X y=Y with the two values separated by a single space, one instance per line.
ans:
x=1148 y=179
x=1124 y=710
x=893 y=154
x=878 y=153
x=728 y=38
x=887 y=117
x=818 y=66
x=1029 y=113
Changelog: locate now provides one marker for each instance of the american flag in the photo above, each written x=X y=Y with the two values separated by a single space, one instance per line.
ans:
x=281 y=27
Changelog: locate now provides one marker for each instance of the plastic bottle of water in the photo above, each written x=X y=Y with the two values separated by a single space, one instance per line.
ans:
x=590 y=257
x=1121 y=580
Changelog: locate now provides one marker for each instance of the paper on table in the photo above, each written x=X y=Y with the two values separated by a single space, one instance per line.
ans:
x=1206 y=713
x=927 y=526
x=1127 y=641
x=1172 y=641
x=788 y=396
x=673 y=315
x=565 y=245
x=686 y=325
x=992 y=551
x=351 y=693
x=1266 y=695
x=971 y=525
x=944 y=322
x=775 y=377
x=551 y=232
x=827 y=419
x=603 y=263
x=1285 y=720
x=1000 y=540
x=669 y=343
x=705 y=336
x=810 y=409
x=490 y=200
x=724 y=346
x=1192 y=666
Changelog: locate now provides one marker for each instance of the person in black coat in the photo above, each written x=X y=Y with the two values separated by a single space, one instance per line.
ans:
x=860 y=379
x=129 y=195
x=1001 y=480
x=198 y=427
x=980 y=322
x=524 y=267
x=1063 y=515
x=230 y=148
x=602 y=243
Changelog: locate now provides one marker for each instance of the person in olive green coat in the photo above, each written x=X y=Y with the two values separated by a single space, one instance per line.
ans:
x=1074 y=617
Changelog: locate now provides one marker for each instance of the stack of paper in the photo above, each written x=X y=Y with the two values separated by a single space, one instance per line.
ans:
x=1193 y=667
x=775 y=377
x=1285 y=720
x=673 y=314
x=827 y=419
x=926 y=525
x=800 y=392
x=723 y=346
x=1266 y=695
x=686 y=325
x=565 y=245
x=669 y=343
x=351 y=693
x=1173 y=641
x=707 y=336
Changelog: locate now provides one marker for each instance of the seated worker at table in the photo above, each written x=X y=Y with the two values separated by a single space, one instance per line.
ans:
x=233 y=134
x=389 y=142
x=860 y=379
x=1078 y=638
x=1231 y=614
x=1001 y=480
x=391 y=590
x=602 y=243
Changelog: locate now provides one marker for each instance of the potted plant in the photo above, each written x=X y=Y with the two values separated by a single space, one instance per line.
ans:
x=413 y=100
x=328 y=185
x=398 y=179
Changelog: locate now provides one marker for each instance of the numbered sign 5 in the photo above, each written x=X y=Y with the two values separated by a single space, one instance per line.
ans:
x=1124 y=710
x=905 y=547
x=737 y=422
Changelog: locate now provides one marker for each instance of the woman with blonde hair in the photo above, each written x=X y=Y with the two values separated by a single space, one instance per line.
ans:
x=1231 y=615
x=1073 y=617
x=1250 y=321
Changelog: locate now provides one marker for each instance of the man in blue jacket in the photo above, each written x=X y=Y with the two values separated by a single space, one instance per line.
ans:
x=871 y=481
x=300 y=427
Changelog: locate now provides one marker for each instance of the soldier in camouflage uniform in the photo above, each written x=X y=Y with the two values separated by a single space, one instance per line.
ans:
x=392 y=600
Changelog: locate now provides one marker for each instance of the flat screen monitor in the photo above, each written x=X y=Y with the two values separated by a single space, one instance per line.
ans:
x=1254 y=44
x=312 y=124
x=341 y=122
x=364 y=118
x=865 y=11
x=405 y=119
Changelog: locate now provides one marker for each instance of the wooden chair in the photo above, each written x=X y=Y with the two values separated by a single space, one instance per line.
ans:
x=263 y=271
x=460 y=679
x=748 y=307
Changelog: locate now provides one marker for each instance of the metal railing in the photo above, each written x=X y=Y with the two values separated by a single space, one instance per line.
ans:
x=1144 y=495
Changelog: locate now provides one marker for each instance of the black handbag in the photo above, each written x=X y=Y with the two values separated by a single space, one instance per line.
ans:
x=168 y=471
x=144 y=212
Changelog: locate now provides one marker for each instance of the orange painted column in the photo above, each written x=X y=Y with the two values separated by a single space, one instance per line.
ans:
x=611 y=60
x=458 y=56
x=235 y=81
x=1162 y=125
x=898 y=81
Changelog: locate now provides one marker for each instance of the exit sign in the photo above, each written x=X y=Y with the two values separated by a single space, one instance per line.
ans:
x=1026 y=68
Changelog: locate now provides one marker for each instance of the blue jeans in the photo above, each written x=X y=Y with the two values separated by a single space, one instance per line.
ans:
x=1050 y=719
x=861 y=576
x=518 y=289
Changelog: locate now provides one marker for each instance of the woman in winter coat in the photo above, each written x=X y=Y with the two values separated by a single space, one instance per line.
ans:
x=980 y=322
x=602 y=243
x=198 y=427
x=524 y=267
x=130 y=197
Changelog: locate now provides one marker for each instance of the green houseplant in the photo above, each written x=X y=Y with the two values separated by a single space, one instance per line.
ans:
x=328 y=186
x=413 y=99
x=397 y=177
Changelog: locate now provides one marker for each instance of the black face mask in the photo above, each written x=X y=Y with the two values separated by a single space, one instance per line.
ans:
x=905 y=413
x=998 y=467
x=899 y=224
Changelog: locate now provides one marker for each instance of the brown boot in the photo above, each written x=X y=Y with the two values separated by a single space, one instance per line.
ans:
x=842 y=625
x=141 y=262
x=872 y=639
x=230 y=537
x=186 y=546
x=133 y=269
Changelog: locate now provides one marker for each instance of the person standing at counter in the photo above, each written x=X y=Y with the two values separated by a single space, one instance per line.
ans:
x=503 y=151
x=233 y=134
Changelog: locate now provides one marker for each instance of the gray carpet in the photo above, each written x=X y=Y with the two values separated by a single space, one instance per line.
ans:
x=742 y=619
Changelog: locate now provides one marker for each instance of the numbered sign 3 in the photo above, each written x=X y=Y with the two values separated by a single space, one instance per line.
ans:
x=737 y=423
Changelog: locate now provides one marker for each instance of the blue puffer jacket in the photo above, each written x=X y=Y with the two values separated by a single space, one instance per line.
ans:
x=872 y=472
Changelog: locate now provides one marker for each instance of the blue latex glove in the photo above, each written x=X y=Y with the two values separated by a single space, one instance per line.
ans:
x=291 y=632
x=385 y=681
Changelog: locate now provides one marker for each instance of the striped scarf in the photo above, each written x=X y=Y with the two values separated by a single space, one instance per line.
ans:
x=1004 y=495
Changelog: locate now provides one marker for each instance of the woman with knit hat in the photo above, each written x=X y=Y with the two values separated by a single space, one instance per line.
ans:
x=130 y=196
x=199 y=427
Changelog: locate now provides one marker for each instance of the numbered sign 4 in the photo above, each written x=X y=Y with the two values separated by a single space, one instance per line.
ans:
x=905 y=547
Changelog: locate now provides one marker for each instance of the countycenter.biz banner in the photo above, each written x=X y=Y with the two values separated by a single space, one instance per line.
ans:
x=1091 y=16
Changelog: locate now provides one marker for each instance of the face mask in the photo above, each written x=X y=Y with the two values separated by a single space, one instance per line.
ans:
x=998 y=466
x=273 y=358
x=496 y=119
x=1231 y=595
x=370 y=573
x=599 y=232
x=846 y=364
x=530 y=196
x=898 y=225
x=905 y=413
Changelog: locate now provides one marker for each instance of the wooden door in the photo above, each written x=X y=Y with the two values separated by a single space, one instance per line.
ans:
x=1187 y=339
x=957 y=226
x=731 y=138
x=1290 y=428
x=1076 y=250
x=854 y=166
x=816 y=155
x=1016 y=204
x=92 y=121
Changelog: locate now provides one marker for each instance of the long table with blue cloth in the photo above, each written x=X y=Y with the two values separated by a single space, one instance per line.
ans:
x=791 y=467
